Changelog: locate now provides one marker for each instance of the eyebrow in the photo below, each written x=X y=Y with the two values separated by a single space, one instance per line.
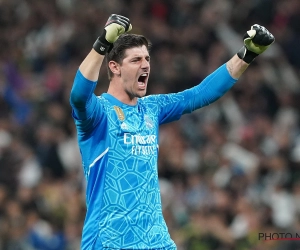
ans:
x=139 y=57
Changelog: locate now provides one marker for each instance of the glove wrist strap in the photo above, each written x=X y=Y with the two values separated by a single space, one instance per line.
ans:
x=102 y=46
x=246 y=55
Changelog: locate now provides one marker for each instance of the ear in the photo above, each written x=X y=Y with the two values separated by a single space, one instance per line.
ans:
x=114 y=67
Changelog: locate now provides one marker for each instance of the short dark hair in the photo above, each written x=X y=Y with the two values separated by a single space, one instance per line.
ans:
x=125 y=41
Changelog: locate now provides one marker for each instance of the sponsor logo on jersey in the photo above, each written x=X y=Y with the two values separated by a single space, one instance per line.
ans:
x=139 y=139
x=141 y=144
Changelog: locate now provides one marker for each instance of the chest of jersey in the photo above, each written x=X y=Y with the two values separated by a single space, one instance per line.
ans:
x=134 y=130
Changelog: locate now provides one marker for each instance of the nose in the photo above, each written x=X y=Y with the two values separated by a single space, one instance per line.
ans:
x=145 y=64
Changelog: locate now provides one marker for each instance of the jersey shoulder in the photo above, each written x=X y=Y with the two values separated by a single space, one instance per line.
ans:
x=163 y=99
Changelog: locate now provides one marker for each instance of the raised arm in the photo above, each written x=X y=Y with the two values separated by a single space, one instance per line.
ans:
x=91 y=65
x=236 y=67
x=256 y=41
x=88 y=73
x=215 y=85
x=114 y=27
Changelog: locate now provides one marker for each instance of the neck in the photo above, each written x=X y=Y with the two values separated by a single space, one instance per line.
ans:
x=116 y=90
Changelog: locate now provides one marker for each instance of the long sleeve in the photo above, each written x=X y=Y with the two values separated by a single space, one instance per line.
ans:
x=82 y=97
x=209 y=90
x=173 y=106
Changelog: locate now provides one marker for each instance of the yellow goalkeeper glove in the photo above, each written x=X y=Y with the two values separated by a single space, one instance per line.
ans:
x=256 y=41
x=114 y=27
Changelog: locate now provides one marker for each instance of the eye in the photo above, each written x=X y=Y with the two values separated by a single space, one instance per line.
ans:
x=136 y=59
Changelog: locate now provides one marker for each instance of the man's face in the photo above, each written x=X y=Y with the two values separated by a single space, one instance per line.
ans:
x=135 y=70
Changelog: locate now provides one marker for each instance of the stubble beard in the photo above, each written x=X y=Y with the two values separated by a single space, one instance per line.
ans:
x=134 y=95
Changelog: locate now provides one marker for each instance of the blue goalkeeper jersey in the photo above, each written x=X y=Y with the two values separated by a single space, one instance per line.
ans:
x=119 y=149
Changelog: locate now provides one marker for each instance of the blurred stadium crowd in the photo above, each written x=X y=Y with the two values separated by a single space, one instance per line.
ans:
x=228 y=171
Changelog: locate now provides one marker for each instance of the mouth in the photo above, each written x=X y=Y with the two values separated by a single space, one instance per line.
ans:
x=142 y=80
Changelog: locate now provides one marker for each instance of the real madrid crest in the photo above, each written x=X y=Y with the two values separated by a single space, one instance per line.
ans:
x=149 y=122
x=120 y=113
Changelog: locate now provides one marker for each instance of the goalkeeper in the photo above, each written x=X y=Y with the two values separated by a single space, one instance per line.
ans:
x=118 y=134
